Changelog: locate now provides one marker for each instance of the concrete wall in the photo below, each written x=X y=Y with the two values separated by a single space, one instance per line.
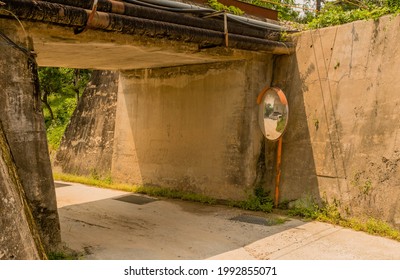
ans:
x=191 y=127
x=343 y=139
x=87 y=145
x=24 y=129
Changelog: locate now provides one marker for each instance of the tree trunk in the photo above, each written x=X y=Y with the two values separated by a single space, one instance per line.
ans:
x=46 y=103
x=318 y=8
x=76 y=84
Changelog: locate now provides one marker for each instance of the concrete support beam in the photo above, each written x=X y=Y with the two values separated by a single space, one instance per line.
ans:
x=23 y=124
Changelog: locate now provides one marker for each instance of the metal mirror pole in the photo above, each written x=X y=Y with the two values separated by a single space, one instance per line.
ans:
x=278 y=171
x=273 y=118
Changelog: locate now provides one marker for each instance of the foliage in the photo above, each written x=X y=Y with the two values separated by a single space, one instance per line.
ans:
x=332 y=13
x=335 y=14
x=175 y=194
x=148 y=190
x=330 y=213
x=62 y=255
x=60 y=90
x=284 y=12
x=307 y=210
x=221 y=7
x=280 y=127
x=259 y=201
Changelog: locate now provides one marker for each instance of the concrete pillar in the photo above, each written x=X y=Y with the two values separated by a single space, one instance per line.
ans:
x=19 y=238
x=192 y=127
x=23 y=124
x=87 y=145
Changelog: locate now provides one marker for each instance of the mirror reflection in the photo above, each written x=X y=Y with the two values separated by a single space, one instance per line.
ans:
x=273 y=113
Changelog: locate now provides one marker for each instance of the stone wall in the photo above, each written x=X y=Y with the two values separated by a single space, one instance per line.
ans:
x=343 y=140
x=191 y=127
x=87 y=145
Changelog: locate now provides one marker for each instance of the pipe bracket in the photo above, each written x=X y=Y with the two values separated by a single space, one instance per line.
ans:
x=79 y=30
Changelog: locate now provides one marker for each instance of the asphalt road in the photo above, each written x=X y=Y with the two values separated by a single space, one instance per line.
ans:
x=108 y=224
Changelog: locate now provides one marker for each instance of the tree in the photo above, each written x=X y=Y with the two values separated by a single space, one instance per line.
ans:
x=51 y=82
x=61 y=82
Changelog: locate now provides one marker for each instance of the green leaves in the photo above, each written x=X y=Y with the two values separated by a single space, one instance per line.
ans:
x=220 y=7
x=333 y=14
x=285 y=12
x=59 y=90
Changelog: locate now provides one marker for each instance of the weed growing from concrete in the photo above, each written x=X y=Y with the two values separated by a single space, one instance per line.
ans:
x=329 y=213
x=148 y=190
x=176 y=194
x=259 y=201
x=65 y=253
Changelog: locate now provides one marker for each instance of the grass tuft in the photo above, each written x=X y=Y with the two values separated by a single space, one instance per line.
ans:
x=260 y=201
x=148 y=190
x=329 y=213
x=64 y=254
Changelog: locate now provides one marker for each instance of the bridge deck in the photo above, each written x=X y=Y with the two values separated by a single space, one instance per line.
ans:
x=119 y=40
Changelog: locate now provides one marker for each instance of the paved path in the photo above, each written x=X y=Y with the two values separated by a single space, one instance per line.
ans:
x=108 y=224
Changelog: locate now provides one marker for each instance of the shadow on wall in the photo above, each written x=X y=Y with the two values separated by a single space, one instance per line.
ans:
x=342 y=142
x=189 y=127
x=298 y=177
x=173 y=125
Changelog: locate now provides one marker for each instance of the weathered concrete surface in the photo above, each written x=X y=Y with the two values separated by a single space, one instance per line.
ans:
x=87 y=145
x=96 y=223
x=18 y=234
x=342 y=143
x=192 y=127
x=57 y=46
x=23 y=124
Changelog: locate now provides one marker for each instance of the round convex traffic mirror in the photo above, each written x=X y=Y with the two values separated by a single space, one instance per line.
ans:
x=273 y=113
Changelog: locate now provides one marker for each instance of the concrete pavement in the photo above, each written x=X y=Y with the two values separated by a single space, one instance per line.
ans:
x=109 y=224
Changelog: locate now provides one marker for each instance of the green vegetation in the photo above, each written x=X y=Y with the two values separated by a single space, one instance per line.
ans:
x=221 y=7
x=97 y=182
x=285 y=12
x=332 y=13
x=347 y=11
x=253 y=203
x=280 y=127
x=329 y=213
x=63 y=255
x=148 y=190
x=364 y=185
x=60 y=90
x=259 y=201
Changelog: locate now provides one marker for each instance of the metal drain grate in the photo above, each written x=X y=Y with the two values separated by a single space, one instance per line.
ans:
x=254 y=220
x=135 y=199
x=60 y=185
